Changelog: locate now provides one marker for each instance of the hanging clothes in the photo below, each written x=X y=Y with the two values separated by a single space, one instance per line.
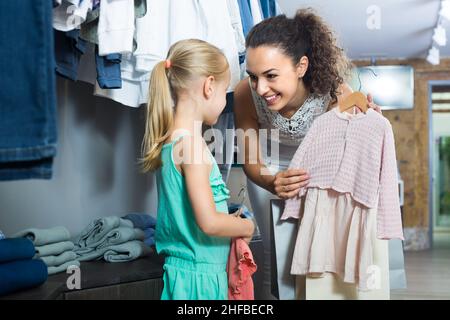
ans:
x=89 y=28
x=70 y=14
x=108 y=70
x=268 y=8
x=69 y=48
x=246 y=16
x=115 y=27
x=27 y=96
x=256 y=11
x=236 y=23
x=165 y=23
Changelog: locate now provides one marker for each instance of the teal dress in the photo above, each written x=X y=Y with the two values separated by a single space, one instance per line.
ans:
x=195 y=263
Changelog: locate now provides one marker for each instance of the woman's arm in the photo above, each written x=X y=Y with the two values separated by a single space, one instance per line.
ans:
x=284 y=184
x=210 y=221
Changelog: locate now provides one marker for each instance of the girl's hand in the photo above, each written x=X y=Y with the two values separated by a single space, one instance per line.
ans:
x=249 y=238
x=372 y=104
x=288 y=183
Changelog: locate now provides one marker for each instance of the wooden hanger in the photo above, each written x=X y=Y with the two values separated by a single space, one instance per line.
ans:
x=357 y=99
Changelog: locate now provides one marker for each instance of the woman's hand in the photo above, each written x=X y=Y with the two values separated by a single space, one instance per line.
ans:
x=288 y=183
x=372 y=104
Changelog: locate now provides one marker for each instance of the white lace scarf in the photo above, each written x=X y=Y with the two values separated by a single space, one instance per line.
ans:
x=292 y=130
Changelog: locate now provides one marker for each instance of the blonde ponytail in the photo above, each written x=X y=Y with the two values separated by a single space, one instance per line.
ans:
x=186 y=61
x=159 y=118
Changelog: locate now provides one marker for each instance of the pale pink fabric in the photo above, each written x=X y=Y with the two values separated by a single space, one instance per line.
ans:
x=355 y=155
x=336 y=234
x=240 y=268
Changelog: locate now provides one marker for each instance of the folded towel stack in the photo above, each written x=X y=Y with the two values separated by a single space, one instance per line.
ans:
x=112 y=239
x=53 y=246
x=2 y=236
x=18 y=270
x=145 y=222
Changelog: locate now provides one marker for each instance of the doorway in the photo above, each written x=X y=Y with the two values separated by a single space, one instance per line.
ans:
x=440 y=163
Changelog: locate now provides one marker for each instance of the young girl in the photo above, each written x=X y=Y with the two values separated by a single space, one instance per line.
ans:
x=193 y=225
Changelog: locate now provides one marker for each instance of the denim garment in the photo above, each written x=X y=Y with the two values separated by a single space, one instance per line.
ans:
x=108 y=70
x=246 y=16
x=13 y=249
x=268 y=8
x=22 y=274
x=27 y=90
x=141 y=220
x=68 y=50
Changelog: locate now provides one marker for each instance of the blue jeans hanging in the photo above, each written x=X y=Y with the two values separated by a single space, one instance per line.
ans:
x=27 y=90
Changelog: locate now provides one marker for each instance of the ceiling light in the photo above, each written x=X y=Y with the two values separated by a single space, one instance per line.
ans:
x=433 y=56
x=445 y=9
x=439 y=36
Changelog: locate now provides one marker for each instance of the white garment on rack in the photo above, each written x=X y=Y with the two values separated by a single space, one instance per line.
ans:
x=133 y=92
x=165 y=23
x=70 y=14
x=256 y=11
x=278 y=10
x=115 y=26
x=152 y=35
x=220 y=33
x=236 y=23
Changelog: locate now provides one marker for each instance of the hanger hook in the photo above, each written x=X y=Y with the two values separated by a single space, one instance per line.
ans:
x=243 y=190
x=359 y=76
x=359 y=79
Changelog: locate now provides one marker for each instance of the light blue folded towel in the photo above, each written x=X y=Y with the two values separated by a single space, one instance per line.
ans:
x=126 y=251
x=63 y=267
x=54 y=249
x=54 y=261
x=121 y=235
x=98 y=228
x=41 y=237
x=91 y=254
x=113 y=237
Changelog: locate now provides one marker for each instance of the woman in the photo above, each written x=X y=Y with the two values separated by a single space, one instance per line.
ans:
x=296 y=73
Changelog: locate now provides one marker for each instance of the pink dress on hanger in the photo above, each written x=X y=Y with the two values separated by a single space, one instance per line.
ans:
x=351 y=202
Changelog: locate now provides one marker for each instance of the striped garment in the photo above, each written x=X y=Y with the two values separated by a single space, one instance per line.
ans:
x=352 y=154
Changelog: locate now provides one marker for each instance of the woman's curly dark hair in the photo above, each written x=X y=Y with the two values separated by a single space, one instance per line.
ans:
x=305 y=35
